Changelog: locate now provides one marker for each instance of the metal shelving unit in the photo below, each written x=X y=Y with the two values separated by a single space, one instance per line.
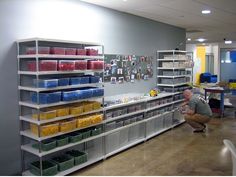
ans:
x=25 y=88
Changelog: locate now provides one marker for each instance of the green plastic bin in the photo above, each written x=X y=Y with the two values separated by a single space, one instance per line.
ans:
x=75 y=137
x=96 y=131
x=80 y=157
x=62 y=141
x=49 y=168
x=64 y=162
x=46 y=145
x=86 y=134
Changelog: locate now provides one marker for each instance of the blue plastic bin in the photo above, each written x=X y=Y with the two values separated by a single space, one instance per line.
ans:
x=79 y=80
x=70 y=95
x=94 y=79
x=46 y=98
x=63 y=81
x=98 y=92
x=49 y=83
x=86 y=93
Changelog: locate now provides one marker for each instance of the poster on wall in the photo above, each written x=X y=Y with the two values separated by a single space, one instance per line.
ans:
x=127 y=68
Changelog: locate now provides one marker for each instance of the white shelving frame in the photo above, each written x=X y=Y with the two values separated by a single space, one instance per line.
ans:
x=27 y=119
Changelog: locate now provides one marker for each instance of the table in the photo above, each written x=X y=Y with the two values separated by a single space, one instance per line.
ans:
x=217 y=90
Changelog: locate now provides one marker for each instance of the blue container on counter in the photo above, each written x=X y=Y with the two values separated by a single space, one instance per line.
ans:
x=71 y=95
x=94 y=79
x=63 y=81
x=79 y=80
x=48 y=83
x=46 y=98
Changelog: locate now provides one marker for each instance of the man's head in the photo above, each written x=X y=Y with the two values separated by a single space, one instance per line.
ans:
x=188 y=94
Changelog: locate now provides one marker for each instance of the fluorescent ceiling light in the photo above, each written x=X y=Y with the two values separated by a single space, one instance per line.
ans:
x=124 y=0
x=227 y=61
x=228 y=42
x=201 y=39
x=189 y=39
x=206 y=11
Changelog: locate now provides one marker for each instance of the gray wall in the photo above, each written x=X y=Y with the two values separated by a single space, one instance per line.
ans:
x=71 y=20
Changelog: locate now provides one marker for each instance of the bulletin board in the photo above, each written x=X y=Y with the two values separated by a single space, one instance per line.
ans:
x=127 y=68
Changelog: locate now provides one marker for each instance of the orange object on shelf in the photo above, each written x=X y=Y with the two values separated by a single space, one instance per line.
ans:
x=66 y=126
x=45 y=130
x=44 y=115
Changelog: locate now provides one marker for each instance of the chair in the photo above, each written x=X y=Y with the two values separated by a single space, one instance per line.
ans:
x=232 y=149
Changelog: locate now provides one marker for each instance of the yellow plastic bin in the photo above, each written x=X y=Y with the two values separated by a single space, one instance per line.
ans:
x=96 y=105
x=66 y=126
x=76 y=110
x=45 y=130
x=44 y=115
x=88 y=106
x=62 y=111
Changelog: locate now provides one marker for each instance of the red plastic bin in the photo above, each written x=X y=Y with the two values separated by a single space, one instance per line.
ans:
x=70 y=51
x=81 y=52
x=95 y=64
x=81 y=65
x=44 y=65
x=41 y=50
x=66 y=65
x=58 y=51
x=91 y=52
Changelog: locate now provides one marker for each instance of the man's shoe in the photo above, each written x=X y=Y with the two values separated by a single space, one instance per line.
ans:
x=199 y=131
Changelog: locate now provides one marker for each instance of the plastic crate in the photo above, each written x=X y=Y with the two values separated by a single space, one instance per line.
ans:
x=87 y=106
x=85 y=93
x=95 y=119
x=49 y=83
x=81 y=52
x=94 y=79
x=79 y=80
x=91 y=52
x=119 y=124
x=62 y=111
x=46 y=98
x=41 y=50
x=46 y=145
x=44 y=65
x=66 y=65
x=84 y=122
x=45 y=130
x=96 y=92
x=131 y=109
x=80 y=157
x=133 y=120
x=110 y=126
x=75 y=137
x=63 y=81
x=96 y=131
x=81 y=65
x=109 y=115
x=49 y=168
x=86 y=134
x=64 y=162
x=96 y=105
x=76 y=110
x=70 y=51
x=95 y=65
x=66 y=126
x=57 y=51
x=139 y=118
x=44 y=115
x=62 y=141
x=126 y=122
x=70 y=95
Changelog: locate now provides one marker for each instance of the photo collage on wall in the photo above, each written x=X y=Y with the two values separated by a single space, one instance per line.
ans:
x=127 y=68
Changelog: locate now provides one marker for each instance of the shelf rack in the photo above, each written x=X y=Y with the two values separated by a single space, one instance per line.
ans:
x=25 y=87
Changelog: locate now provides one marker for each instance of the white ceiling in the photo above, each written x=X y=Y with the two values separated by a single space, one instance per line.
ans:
x=220 y=24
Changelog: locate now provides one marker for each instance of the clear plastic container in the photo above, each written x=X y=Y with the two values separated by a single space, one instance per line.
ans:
x=81 y=52
x=44 y=115
x=119 y=124
x=70 y=95
x=57 y=50
x=63 y=81
x=66 y=126
x=44 y=65
x=95 y=65
x=46 y=98
x=66 y=65
x=79 y=80
x=49 y=83
x=76 y=110
x=109 y=115
x=81 y=65
x=91 y=52
x=45 y=130
x=110 y=126
x=41 y=50
x=70 y=51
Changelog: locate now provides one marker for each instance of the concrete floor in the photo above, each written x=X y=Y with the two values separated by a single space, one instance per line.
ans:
x=176 y=152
